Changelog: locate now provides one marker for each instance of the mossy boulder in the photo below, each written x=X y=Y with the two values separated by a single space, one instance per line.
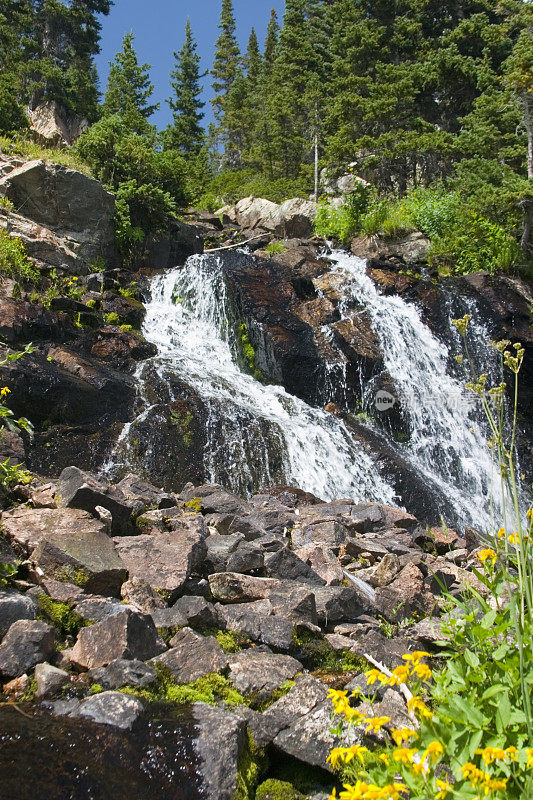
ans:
x=277 y=790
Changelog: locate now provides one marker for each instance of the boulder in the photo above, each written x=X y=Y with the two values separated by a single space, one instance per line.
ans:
x=329 y=533
x=49 y=680
x=192 y=656
x=196 y=612
x=72 y=205
x=87 y=559
x=296 y=217
x=127 y=635
x=337 y=604
x=256 y=620
x=26 y=527
x=122 y=672
x=214 y=499
x=260 y=674
x=231 y=587
x=95 y=609
x=138 y=593
x=53 y=125
x=253 y=212
x=26 y=644
x=323 y=563
x=137 y=491
x=219 y=766
x=78 y=489
x=14 y=607
x=112 y=708
x=164 y=560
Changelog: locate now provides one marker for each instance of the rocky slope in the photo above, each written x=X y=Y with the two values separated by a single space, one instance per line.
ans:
x=123 y=591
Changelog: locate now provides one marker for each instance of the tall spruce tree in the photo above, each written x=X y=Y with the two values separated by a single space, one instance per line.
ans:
x=271 y=41
x=129 y=89
x=227 y=59
x=252 y=60
x=186 y=132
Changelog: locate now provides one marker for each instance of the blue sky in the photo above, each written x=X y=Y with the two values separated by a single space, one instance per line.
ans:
x=159 y=27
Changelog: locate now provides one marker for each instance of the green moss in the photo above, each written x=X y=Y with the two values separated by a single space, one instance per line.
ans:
x=248 y=351
x=275 y=696
x=195 y=505
x=168 y=633
x=211 y=689
x=29 y=692
x=69 y=574
x=64 y=619
x=126 y=328
x=96 y=688
x=112 y=318
x=91 y=303
x=251 y=765
x=317 y=654
x=232 y=641
x=277 y=790
x=275 y=248
x=183 y=423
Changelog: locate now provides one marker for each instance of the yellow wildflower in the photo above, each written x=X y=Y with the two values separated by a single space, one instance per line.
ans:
x=490 y=754
x=416 y=656
x=393 y=790
x=374 y=675
x=385 y=757
x=375 y=724
x=336 y=756
x=501 y=533
x=404 y=754
x=487 y=555
x=4 y=391
x=512 y=752
x=353 y=715
x=529 y=514
x=444 y=789
x=417 y=705
x=494 y=784
x=472 y=773
x=399 y=675
x=423 y=672
x=401 y=735
x=419 y=768
x=514 y=538
x=333 y=795
x=374 y=792
x=355 y=750
x=356 y=792
x=434 y=750
x=530 y=758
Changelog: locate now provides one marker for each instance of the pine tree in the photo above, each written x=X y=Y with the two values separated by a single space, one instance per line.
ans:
x=186 y=132
x=227 y=59
x=129 y=89
x=271 y=41
x=252 y=60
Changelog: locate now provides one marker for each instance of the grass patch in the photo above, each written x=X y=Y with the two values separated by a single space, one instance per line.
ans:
x=30 y=150
x=14 y=263
x=275 y=248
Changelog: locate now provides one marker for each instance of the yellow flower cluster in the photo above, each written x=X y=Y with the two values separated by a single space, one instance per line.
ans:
x=491 y=754
x=369 y=791
x=487 y=555
x=413 y=668
x=346 y=754
x=482 y=779
x=4 y=390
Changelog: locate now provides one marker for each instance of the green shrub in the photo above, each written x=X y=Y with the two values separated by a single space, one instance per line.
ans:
x=14 y=474
x=7 y=573
x=18 y=145
x=475 y=244
x=232 y=185
x=14 y=263
x=344 y=221
x=112 y=318
x=275 y=248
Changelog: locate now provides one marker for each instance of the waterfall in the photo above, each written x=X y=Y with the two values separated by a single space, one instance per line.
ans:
x=259 y=435
x=256 y=434
x=448 y=435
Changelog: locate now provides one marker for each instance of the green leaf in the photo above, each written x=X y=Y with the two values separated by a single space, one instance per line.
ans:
x=503 y=713
x=472 y=659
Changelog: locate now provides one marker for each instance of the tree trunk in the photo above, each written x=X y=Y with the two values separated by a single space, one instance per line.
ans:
x=526 y=102
x=316 y=167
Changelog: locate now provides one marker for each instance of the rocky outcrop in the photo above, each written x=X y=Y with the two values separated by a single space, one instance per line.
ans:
x=71 y=212
x=292 y=218
x=51 y=124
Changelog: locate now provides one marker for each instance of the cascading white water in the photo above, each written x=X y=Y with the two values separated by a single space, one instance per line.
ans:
x=447 y=442
x=252 y=429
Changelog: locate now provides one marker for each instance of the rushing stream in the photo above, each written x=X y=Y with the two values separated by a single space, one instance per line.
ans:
x=259 y=434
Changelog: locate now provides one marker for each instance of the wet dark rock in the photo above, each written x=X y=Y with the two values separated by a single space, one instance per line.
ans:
x=120 y=349
x=26 y=644
x=174 y=246
x=257 y=673
x=13 y=607
x=122 y=672
x=112 y=708
x=78 y=489
x=90 y=561
x=192 y=656
x=127 y=635
x=164 y=560
x=50 y=680
x=22 y=322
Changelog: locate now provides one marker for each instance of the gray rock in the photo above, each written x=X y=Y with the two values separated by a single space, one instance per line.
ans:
x=140 y=492
x=49 y=680
x=284 y=564
x=78 y=489
x=386 y=570
x=231 y=587
x=95 y=609
x=192 y=656
x=12 y=608
x=305 y=695
x=323 y=563
x=62 y=592
x=122 y=672
x=127 y=635
x=164 y=560
x=197 y=612
x=220 y=548
x=255 y=620
x=26 y=527
x=138 y=593
x=215 y=499
x=26 y=644
x=329 y=533
x=219 y=766
x=87 y=559
x=337 y=604
x=366 y=517
x=257 y=673
x=246 y=558
x=112 y=708
x=168 y=618
x=295 y=602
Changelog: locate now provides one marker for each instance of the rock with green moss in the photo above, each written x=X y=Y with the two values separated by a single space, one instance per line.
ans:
x=248 y=351
x=66 y=621
x=277 y=790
